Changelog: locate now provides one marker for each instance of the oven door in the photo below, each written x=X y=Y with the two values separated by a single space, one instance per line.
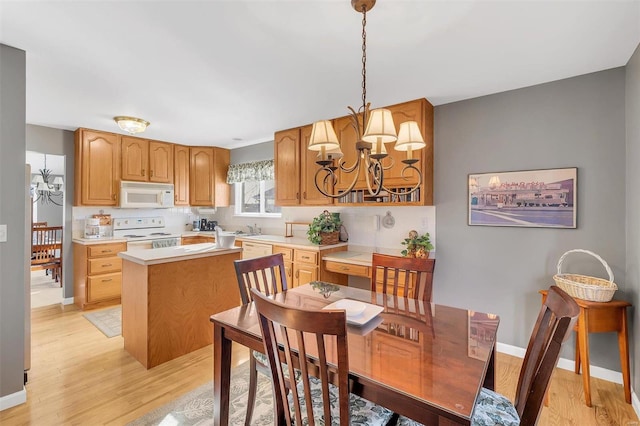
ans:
x=139 y=245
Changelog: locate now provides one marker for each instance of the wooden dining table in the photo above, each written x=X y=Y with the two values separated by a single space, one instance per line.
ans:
x=421 y=360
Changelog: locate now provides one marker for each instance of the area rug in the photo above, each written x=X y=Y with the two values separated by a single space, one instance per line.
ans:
x=196 y=407
x=109 y=321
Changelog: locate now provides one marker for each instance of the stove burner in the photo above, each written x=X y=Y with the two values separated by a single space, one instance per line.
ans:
x=159 y=233
x=133 y=236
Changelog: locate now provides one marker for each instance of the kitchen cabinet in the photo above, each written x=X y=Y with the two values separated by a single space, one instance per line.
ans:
x=208 y=177
x=97 y=168
x=287 y=257
x=146 y=161
x=196 y=239
x=181 y=175
x=287 y=167
x=305 y=267
x=97 y=274
x=295 y=169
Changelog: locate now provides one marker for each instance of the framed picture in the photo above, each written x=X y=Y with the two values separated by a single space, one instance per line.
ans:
x=529 y=198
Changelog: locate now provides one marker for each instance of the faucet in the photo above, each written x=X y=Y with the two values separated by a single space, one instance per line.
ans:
x=251 y=231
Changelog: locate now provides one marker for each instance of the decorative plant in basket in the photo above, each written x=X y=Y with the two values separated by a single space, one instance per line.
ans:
x=325 y=228
x=417 y=245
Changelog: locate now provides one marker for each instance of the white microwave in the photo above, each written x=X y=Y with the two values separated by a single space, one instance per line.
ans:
x=140 y=195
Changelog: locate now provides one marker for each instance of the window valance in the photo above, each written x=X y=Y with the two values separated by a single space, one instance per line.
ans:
x=257 y=170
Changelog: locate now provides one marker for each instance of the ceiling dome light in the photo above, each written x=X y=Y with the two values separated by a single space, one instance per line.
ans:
x=131 y=125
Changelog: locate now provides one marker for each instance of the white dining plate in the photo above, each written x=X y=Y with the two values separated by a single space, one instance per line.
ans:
x=370 y=311
x=353 y=307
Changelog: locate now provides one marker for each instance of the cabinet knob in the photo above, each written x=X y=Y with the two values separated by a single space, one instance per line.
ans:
x=142 y=172
x=113 y=196
x=150 y=173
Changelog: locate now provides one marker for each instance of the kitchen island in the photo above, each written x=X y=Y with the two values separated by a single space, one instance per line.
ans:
x=168 y=295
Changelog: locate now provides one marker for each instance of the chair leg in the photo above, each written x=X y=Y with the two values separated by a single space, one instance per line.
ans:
x=253 y=384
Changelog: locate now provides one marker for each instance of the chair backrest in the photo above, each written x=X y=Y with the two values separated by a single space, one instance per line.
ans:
x=303 y=332
x=556 y=319
x=266 y=274
x=46 y=244
x=39 y=224
x=402 y=276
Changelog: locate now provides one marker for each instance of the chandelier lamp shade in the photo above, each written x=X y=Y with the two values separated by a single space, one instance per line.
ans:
x=46 y=188
x=374 y=128
x=131 y=125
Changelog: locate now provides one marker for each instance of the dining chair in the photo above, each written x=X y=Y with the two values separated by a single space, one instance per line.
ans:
x=402 y=276
x=556 y=319
x=46 y=250
x=308 y=335
x=39 y=224
x=267 y=275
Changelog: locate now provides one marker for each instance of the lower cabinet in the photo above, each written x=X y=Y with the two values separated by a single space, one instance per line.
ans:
x=97 y=274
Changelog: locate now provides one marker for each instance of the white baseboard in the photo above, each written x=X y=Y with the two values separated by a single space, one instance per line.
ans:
x=635 y=403
x=67 y=301
x=13 y=399
x=566 y=364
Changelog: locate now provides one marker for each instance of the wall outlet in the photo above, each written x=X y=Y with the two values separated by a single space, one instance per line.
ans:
x=3 y=233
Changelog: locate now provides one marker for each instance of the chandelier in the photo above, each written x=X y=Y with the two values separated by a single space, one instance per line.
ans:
x=131 y=125
x=374 y=129
x=46 y=189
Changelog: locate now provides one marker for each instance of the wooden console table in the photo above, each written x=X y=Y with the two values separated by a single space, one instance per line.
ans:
x=600 y=317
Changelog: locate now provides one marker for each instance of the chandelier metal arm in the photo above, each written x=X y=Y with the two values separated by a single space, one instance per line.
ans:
x=414 y=188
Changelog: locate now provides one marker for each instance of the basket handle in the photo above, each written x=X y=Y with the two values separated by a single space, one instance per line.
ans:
x=606 y=266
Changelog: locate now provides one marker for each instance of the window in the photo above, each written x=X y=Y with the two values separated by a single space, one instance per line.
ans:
x=256 y=198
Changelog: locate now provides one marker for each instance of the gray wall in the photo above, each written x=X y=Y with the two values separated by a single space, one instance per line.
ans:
x=577 y=122
x=633 y=206
x=59 y=142
x=13 y=184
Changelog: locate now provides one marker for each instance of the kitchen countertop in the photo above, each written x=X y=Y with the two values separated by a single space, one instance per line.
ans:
x=103 y=240
x=350 y=257
x=174 y=254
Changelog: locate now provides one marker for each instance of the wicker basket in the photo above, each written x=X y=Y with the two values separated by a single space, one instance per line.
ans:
x=585 y=287
x=328 y=238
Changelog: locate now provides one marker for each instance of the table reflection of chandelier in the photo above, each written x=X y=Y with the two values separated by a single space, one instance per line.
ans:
x=46 y=188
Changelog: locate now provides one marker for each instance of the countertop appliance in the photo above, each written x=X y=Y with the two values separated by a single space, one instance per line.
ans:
x=145 y=232
x=146 y=195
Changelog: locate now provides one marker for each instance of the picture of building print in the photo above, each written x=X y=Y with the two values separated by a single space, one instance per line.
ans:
x=530 y=198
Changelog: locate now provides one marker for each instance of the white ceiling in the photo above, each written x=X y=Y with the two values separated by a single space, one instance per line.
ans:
x=209 y=72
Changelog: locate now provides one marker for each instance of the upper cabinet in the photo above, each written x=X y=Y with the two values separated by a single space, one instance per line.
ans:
x=286 y=145
x=97 y=168
x=181 y=174
x=208 y=177
x=295 y=168
x=294 y=159
x=103 y=159
x=146 y=161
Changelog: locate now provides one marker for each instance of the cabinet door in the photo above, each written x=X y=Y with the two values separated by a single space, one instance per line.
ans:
x=135 y=159
x=221 y=192
x=97 y=165
x=310 y=194
x=408 y=111
x=348 y=138
x=160 y=162
x=181 y=175
x=303 y=274
x=287 y=167
x=201 y=176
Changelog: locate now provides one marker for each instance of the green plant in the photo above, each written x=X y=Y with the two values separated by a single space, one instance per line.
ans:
x=417 y=245
x=325 y=222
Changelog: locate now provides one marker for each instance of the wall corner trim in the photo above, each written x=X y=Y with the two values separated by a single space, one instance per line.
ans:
x=67 y=301
x=635 y=402
x=13 y=399
x=567 y=364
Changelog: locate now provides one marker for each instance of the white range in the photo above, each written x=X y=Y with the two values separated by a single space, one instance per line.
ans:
x=145 y=232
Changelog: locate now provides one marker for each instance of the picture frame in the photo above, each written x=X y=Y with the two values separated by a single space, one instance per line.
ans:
x=545 y=198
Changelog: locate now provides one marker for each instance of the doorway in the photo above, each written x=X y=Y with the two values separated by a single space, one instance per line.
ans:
x=47 y=189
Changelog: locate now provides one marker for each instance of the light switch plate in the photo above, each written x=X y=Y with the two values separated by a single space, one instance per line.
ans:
x=3 y=233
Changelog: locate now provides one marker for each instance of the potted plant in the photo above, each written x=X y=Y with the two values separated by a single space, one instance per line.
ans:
x=417 y=245
x=325 y=228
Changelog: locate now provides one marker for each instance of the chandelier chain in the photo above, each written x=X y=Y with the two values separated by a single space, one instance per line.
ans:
x=364 y=58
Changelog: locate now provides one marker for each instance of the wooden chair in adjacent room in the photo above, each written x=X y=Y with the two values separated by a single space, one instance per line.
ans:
x=556 y=319
x=267 y=275
x=402 y=276
x=46 y=250
x=39 y=224
x=311 y=333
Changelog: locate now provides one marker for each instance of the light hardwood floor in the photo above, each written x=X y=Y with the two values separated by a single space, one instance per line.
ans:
x=80 y=377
